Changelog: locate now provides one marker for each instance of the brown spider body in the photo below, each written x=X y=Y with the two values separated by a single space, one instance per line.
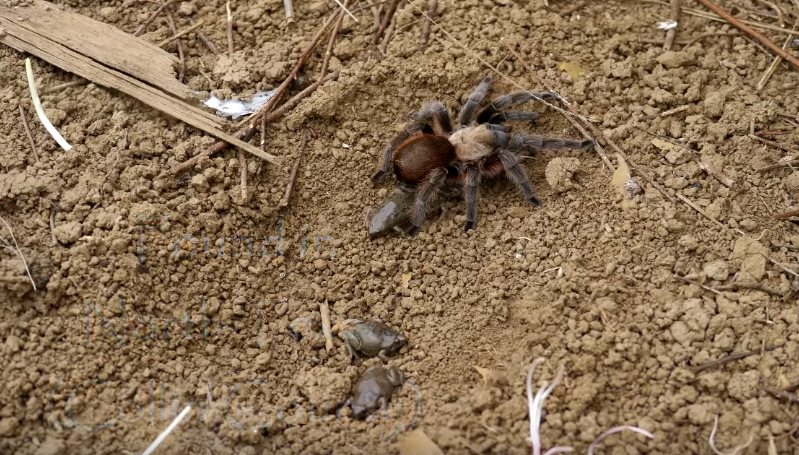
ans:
x=413 y=159
x=465 y=155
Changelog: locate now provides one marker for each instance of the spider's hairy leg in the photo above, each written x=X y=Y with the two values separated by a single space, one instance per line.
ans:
x=403 y=136
x=471 y=187
x=522 y=116
x=438 y=114
x=474 y=100
x=427 y=190
x=516 y=174
x=510 y=100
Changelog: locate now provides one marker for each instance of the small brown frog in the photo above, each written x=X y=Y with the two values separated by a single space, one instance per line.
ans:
x=371 y=338
x=374 y=389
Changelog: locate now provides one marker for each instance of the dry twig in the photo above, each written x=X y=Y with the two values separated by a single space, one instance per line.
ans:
x=52 y=225
x=392 y=8
x=204 y=38
x=246 y=134
x=788 y=214
x=703 y=213
x=229 y=29
x=431 y=13
x=294 y=171
x=783 y=394
x=672 y=32
x=731 y=358
x=243 y=164
x=170 y=20
x=332 y=43
x=749 y=31
x=324 y=310
x=28 y=131
x=66 y=85
x=15 y=249
x=181 y=34
x=152 y=17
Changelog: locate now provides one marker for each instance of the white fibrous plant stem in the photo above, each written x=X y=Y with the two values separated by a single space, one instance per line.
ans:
x=166 y=432
x=712 y=441
x=40 y=111
x=536 y=406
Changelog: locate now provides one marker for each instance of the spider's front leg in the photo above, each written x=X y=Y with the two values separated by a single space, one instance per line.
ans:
x=427 y=190
x=471 y=188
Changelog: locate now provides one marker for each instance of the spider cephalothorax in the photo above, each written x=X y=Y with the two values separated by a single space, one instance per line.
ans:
x=431 y=153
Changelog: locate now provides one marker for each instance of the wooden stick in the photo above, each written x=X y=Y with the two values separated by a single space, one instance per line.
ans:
x=765 y=41
x=431 y=14
x=204 y=38
x=28 y=131
x=672 y=33
x=332 y=43
x=387 y=35
x=229 y=29
x=717 y=18
x=293 y=178
x=170 y=20
x=731 y=358
x=324 y=310
x=780 y=393
x=775 y=63
x=293 y=75
x=248 y=132
x=703 y=213
x=788 y=214
x=243 y=164
x=392 y=7
x=66 y=85
x=152 y=17
x=773 y=144
x=183 y=33
x=52 y=225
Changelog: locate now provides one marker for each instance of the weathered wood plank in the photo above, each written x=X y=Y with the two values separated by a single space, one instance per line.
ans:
x=29 y=41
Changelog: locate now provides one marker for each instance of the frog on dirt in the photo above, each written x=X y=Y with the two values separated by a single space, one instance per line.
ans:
x=374 y=389
x=372 y=338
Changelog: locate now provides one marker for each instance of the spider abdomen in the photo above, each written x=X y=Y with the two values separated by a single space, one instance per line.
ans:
x=416 y=157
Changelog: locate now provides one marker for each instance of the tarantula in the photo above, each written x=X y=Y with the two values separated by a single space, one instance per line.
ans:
x=466 y=155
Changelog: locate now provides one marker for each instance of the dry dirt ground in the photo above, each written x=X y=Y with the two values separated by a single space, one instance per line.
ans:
x=164 y=291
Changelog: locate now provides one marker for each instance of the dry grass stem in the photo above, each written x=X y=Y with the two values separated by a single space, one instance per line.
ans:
x=324 y=310
x=749 y=31
x=166 y=432
x=432 y=8
x=294 y=171
x=703 y=213
x=229 y=29
x=28 y=131
x=37 y=104
x=181 y=34
x=288 y=6
x=170 y=21
x=152 y=17
x=204 y=38
x=331 y=43
x=15 y=249
x=712 y=441
x=344 y=8
x=243 y=164
x=672 y=33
